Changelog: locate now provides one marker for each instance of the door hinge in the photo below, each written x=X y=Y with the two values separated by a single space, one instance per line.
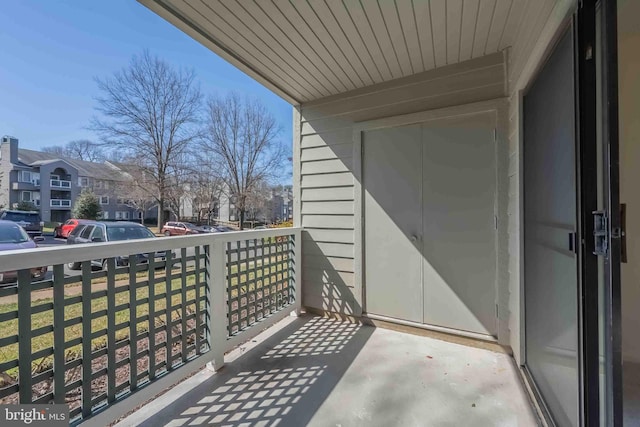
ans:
x=497 y=313
x=495 y=135
x=495 y=221
x=600 y=233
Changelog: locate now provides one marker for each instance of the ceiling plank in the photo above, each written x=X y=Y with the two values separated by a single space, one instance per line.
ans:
x=323 y=15
x=275 y=37
x=314 y=49
x=407 y=18
x=240 y=18
x=315 y=42
x=485 y=17
x=511 y=26
x=425 y=35
x=381 y=34
x=394 y=28
x=342 y=17
x=362 y=24
x=273 y=14
x=468 y=30
x=172 y=15
x=439 y=27
x=503 y=7
x=234 y=41
x=454 y=18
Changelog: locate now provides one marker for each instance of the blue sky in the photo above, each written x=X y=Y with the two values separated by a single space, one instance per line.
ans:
x=50 y=52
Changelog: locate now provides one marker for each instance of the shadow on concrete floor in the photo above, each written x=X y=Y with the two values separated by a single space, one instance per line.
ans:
x=322 y=372
x=283 y=381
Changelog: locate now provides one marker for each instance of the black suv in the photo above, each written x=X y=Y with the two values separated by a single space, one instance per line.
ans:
x=29 y=220
x=96 y=232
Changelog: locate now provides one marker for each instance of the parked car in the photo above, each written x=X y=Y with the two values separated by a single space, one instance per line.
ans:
x=173 y=228
x=208 y=228
x=29 y=220
x=64 y=229
x=223 y=229
x=12 y=237
x=73 y=234
x=97 y=232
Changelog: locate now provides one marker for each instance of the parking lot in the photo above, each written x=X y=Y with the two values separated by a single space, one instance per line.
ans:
x=50 y=241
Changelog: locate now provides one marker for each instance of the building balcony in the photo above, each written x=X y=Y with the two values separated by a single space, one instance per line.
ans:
x=225 y=299
x=60 y=203
x=60 y=184
x=26 y=186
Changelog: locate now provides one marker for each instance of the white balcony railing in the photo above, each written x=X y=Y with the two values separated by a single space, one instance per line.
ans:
x=60 y=203
x=139 y=316
x=60 y=183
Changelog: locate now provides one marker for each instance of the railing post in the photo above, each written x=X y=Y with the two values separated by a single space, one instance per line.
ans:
x=24 y=336
x=59 y=393
x=217 y=306
x=297 y=268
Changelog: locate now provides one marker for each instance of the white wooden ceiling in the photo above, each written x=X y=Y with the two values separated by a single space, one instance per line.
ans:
x=309 y=49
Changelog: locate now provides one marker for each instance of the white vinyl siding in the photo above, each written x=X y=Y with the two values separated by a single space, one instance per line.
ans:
x=324 y=150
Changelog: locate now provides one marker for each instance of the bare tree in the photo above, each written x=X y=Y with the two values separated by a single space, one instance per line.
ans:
x=258 y=202
x=81 y=149
x=179 y=190
x=205 y=190
x=57 y=150
x=136 y=191
x=243 y=134
x=149 y=112
x=206 y=185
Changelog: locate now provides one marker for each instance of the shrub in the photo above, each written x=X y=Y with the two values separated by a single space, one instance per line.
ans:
x=87 y=206
x=26 y=206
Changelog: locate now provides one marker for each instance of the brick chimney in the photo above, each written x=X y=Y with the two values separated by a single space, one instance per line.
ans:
x=9 y=149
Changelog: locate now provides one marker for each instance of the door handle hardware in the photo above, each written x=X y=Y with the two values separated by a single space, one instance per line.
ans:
x=600 y=233
x=414 y=238
x=572 y=242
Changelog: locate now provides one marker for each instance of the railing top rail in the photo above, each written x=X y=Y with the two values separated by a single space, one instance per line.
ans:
x=22 y=259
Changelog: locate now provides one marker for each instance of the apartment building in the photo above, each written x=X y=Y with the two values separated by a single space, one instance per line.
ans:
x=52 y=183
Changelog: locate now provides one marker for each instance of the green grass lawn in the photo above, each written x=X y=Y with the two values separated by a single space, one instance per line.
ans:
x=49 y=227
x=245 y=280
x=45 y=318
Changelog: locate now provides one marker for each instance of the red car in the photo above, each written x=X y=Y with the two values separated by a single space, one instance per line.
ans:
x=66 y=228
x=173 y=228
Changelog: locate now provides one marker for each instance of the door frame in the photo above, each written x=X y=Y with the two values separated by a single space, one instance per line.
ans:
x=583 y=18
x=610 y=135
x=499 y=107
x=568 y=25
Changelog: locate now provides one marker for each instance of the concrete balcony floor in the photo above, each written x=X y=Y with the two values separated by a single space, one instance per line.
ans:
x=323 y=372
